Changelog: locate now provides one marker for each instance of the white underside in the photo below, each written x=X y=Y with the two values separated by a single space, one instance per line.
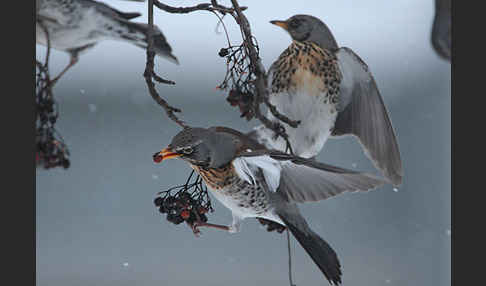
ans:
x=244 y=168
x=239 y=213
x=317 y=120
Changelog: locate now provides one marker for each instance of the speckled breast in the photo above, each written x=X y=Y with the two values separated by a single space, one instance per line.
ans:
x=305 y=66
x=236 y=194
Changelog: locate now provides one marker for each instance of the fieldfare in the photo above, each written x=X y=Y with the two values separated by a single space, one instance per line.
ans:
x=256 y=182
x=331 y=91
x=75 y=26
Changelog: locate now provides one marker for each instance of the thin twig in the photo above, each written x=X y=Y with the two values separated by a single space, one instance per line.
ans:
x=149 y=73
x=290 y=259
x=261 y=78
x=213 y=7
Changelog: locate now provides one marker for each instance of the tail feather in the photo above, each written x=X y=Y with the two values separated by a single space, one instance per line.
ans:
x=161 y=46
x=318 y=249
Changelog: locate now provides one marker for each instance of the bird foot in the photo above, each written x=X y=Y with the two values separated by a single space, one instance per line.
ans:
x=271 y=225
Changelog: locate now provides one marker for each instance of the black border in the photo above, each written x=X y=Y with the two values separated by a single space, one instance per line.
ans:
x=18 y=114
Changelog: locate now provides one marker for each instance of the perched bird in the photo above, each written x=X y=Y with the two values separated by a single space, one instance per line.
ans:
x=441 y=29
x=256 y=182
x=331 y=91
x=75 y=26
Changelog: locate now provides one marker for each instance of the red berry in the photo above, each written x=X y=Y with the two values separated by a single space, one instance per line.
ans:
x=157 y=158
x=185 y=214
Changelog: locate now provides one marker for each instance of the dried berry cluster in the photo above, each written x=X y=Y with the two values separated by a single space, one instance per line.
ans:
x=50 y=149
x=189 y=202
x=239 y=79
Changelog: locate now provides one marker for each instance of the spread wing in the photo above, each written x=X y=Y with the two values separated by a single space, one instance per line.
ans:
x=363 y=114
x=302 y=180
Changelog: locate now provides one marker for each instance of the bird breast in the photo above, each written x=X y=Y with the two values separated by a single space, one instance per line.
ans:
x=242 y=198
x=305 y=86
x=307 y=68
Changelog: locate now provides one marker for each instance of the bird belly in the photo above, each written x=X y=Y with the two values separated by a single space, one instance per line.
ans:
x=81 y=31
x=317 y=116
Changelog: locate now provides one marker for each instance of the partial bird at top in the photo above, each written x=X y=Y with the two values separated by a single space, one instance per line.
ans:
x=333 y=93
x=75 y=26
x=441 y=29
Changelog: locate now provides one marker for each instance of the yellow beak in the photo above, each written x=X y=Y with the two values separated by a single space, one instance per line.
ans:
x=164 y=155
x=281 y=24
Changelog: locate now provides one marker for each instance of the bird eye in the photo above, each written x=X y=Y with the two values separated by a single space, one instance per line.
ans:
x=187 y=150
x=294 y=24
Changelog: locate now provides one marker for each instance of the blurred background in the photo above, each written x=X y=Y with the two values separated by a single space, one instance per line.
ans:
x=96 y=222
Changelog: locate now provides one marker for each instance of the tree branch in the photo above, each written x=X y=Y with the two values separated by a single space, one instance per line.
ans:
x=150 y=74
x=249 y=81
x=213 y=7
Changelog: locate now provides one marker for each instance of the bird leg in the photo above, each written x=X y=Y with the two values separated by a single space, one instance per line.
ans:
x=73 y=60
x=200 y=223
x=195 y=227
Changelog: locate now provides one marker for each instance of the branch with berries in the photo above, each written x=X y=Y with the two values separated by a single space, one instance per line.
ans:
x=51 y=151
x=245 y=77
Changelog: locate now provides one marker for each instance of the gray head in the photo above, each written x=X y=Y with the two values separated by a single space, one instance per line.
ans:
x=308 y=28
x=201 y=147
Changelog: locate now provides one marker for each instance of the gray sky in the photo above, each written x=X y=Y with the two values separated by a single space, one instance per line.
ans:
x=96 y=223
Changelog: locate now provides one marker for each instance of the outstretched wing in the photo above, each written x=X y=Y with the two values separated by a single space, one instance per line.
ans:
x=363 y=114
x=302 y=180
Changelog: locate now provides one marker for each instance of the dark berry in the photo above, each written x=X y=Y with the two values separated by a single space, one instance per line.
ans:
x=203 y=217
x=65 y=163
x=158 y=201
x=223 y=52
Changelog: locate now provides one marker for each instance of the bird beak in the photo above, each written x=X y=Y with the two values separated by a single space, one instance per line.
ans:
x=164 y=155
x=281 y=24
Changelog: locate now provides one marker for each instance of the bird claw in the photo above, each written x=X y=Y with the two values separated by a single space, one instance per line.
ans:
x=194 y=226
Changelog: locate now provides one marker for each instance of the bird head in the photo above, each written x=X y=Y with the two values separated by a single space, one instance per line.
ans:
x=308 y=28
x=200 y=147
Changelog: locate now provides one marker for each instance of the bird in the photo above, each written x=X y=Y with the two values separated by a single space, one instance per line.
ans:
x=75 y=26
x=332 y=93
x=256 y=182
x=441 y=29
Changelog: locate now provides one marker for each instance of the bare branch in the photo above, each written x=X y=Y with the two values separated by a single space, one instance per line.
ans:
x=245 y=70
x=213 y=7
x=51 y=151
x=150 y=74
x=261 y=91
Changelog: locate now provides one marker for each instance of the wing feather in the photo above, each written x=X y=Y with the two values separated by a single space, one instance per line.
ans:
x=363 y=114
x=303 y=180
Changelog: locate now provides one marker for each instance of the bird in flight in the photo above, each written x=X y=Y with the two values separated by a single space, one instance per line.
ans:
x=332 y=92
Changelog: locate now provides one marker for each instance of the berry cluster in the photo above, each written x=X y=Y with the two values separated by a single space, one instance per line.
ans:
x=51 y=153
x=243 y=101
x=240 y=78
x=189 y=202
x=50 y=149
